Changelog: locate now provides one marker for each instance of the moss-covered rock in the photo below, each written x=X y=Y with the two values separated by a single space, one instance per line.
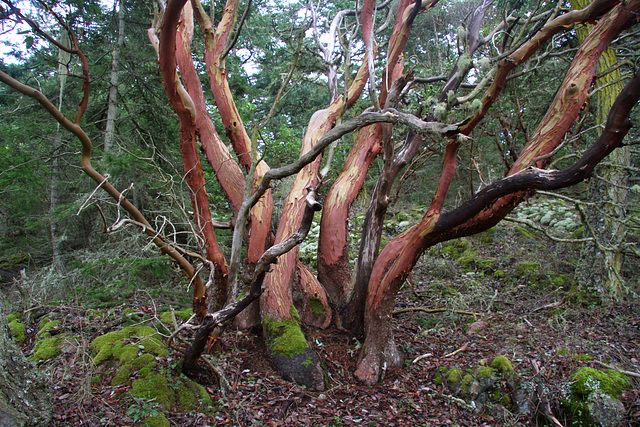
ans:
x=18 y=331
x=503 y=366
x=154 y=387
x=454 y=379
x=112 y=345
x=285 y=337
x=588 y=380
x=594 y=398
x=158 y=420
x=45 y=326
x=46 y=348
x=291 y=353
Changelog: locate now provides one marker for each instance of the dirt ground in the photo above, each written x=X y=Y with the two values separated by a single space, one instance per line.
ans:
x=557 y=328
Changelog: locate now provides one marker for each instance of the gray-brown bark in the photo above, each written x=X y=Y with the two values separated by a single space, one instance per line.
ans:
x=24 y=393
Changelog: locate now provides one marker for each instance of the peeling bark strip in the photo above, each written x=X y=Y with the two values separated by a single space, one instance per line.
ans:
x=216 y=322
x=215 y=42
x=194 y=176
x=277 y=300
x=400 y=255
x=334 y=270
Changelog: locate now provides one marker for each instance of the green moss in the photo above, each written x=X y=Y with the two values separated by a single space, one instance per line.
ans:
x=499 y=274
x=154 y=346
x=97 y=379
x=158 y=420
x=467 y=262
x=485 y=264
x=558 y=280
x=122 y=375
x=46 y=348
x=13 y=316
x=186 y=397
x=524 y=232
x=563 y=351
x=456 y=248
x=465 y=386
x=145 y=372
x=441 y=371
x=285 y=338
x=484 y=372
x=143 y=360
x=503 y=366
x=184 y=314
x=454 y=379
x=316 y=307
x=111 y=345
x=525 y=268
x=487 y=236
x=293 y=312
x=45 y=326
x=154 y=387
x=18 y=331
x=127 y=353
x=588 y=380
x=584 y=357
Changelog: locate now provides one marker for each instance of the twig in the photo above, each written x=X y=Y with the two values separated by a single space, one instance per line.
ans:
x=631 y=374
x=419 y=358
x=460 y=350
x=552 y=305
x=437 y=310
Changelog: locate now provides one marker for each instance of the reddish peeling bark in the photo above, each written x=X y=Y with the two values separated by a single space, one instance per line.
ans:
x=276 y=299
x=313 y=306
x=398 y=258
x=334 y=270
x=227 y=171
x=215 y=41
x=194 y=176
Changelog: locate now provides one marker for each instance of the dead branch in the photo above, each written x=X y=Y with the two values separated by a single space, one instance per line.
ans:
x=622 y=371
x=460 y=350
x=436 y=310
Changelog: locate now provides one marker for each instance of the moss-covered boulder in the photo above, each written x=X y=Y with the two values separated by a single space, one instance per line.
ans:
x=18 y=331
x=134 y=353
x=47 y=348
x=495 y=386
x=594 y=398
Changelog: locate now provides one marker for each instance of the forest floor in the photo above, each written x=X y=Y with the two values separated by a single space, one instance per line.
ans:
x=529 y=317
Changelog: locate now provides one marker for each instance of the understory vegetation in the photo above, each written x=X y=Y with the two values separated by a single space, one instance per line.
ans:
x=473 y=323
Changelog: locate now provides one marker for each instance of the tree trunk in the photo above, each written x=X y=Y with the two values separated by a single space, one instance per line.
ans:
x=25 y=397
x=400 y=255
x=600 y=265
x=112 y=111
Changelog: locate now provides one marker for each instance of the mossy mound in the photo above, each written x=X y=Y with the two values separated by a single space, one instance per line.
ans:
x=494 y=385
x=126 y=343
x=18 y=331
x=46 y=348
x=133 y=353
x=45 y=326
x=184 y=314
x=594 y=398
x=589 y=380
